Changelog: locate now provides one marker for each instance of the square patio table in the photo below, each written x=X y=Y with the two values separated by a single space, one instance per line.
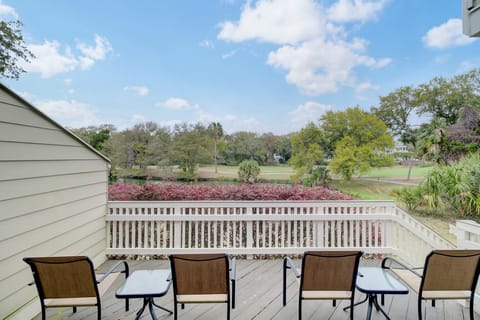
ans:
x=147 y=285
x=374 y=281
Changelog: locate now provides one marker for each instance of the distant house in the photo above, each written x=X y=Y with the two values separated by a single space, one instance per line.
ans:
x=471 y=18
x=53 y=199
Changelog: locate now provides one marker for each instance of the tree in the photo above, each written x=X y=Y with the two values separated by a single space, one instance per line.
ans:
x=358 y=139
x=432 y=139
x=244 y=145
x=215 y=131
x=307 y=150
x=395 y=110
x=189 y=148
x=95 y=136
x=248 y=171
x=443 y=98
x=12 y=49
x=464 y=135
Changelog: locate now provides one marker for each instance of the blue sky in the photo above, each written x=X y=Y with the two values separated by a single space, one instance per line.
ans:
x=262 y=66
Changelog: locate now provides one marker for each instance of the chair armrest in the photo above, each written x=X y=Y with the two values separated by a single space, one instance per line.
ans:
x=233 y=279
x=233 y=269
x=288 y=264
x=387 y=263
x=115 y=266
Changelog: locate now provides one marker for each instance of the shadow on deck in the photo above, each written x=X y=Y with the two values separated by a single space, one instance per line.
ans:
x=259 y=297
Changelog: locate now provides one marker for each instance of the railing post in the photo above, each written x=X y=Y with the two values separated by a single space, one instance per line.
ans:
x=249 y=235
x=177 y=229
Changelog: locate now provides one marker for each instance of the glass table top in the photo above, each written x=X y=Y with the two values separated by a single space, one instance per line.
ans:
x=375 y=280
x=146 y=283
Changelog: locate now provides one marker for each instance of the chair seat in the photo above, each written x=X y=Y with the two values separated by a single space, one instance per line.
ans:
x=446 y=294
x=201 y=298
x=71 y=302
x=327 y=295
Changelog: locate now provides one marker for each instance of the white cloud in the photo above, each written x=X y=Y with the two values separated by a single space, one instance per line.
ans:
x=73 y=114
x=207 y=44
x=140 y=90
x=7 y=12
x=229 y=54
x=355 y=10
x=447 y=35
x=176 y=104
x=307 y=112
x=68 y=81
x=49 y=60
x=71 y=91
x=275 y=21
x=319 y=66
x=314 y=49
x=94 y=53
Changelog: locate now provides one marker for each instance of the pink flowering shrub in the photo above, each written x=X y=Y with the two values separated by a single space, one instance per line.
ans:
x=178 y=192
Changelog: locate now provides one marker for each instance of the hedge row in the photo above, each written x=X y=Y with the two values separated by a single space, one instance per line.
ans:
x=178 y=192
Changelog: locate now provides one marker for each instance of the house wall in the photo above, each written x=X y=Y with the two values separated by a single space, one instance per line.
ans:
x=53 y=196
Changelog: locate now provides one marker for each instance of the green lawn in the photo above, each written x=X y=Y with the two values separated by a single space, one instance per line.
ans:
x=366 y=190
x=272 y=173
x=397 y=172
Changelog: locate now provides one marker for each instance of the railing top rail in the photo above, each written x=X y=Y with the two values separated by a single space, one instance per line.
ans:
x=246 y=203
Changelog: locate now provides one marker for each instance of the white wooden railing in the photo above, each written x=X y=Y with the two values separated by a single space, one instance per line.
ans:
x=467 y=233
x=266 y=227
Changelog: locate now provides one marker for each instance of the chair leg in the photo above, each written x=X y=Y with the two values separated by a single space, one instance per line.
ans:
x=334 y=303
x=433 y=303
x=175 y=310
x=351 y=308
x=284 y=282
x=127 y=305
x=471 y=307
x=99 y=308
x=419 y=308
x=74 y=309
x=228 y=311
x=233 y=294
x=300 y=307
x=44 y=316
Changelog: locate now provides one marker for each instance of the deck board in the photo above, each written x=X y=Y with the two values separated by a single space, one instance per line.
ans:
x=259 y=297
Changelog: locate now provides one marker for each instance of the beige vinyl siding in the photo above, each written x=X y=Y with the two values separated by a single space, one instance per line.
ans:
x=53 y=196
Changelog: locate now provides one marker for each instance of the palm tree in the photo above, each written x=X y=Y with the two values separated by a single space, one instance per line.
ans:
x=215 y=130
x=432 y=140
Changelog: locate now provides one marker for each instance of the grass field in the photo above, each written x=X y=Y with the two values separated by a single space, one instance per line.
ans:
x=366 y=190
x=397 y=172
x=282 y=173
x=285 y=172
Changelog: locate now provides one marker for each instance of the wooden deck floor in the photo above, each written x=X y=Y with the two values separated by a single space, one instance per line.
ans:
x=259 y=297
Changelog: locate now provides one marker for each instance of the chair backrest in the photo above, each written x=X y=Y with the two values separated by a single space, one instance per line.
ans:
x=63 y=277
x=451 y=270
x=329 y=270
x=200 y=273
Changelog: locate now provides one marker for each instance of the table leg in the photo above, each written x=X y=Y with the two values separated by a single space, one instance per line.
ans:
x=356 y=304
x=379 y=308
x=160 y=307
x=139 y=313
x=369 y=310
x=150 y=306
